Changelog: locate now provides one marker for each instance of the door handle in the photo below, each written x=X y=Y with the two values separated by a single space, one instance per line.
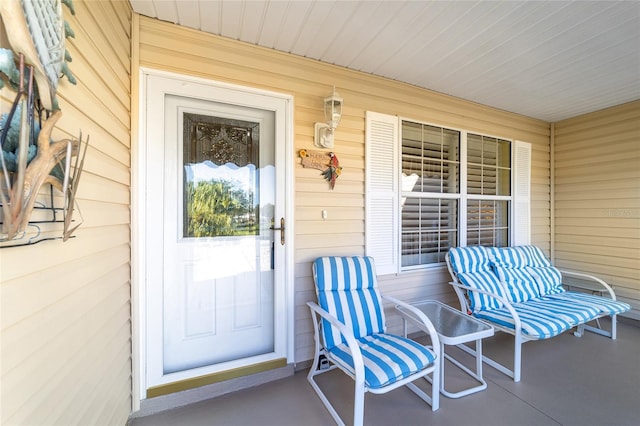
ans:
x=281 y=229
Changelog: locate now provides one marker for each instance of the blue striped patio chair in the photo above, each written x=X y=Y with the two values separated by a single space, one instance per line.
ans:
x=350 y=334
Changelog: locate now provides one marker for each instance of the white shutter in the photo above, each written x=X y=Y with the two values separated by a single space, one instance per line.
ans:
x=522 y=193
x=381 y=191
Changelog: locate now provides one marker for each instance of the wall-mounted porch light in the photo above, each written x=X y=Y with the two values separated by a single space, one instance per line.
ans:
x=332 y=113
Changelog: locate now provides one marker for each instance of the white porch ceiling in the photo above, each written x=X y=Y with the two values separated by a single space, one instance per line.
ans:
x=549 y=60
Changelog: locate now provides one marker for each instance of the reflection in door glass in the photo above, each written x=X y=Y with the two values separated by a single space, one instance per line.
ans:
x=221 y=196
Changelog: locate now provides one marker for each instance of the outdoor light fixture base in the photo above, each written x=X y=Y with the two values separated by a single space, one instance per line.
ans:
x=323 y=136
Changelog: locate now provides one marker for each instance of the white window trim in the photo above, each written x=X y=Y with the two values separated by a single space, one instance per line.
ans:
x=462 y=206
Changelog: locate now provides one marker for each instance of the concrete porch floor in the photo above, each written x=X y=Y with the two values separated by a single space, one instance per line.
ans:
x=567 y=380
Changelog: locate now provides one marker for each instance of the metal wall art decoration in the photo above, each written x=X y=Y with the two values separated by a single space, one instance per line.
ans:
x=30 y=159
x=325 y=161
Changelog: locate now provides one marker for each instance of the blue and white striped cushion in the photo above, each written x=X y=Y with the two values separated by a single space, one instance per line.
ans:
x=536 y=321
x=508 y=257
x=346 y=288
x=602 y=305
x=387 y=358
x=520 y=284
x=483 y=280
x=569 y=311
x=535 y=256
x=549 y=279
x=469 y=259
x=510 y=265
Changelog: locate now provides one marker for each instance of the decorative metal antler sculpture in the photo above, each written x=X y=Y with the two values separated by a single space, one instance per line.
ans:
x=20 y=183
x=30 y=159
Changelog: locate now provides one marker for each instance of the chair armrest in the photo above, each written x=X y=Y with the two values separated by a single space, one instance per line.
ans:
x=605 y=286
x=516 y=318
x=417 y=316
x=347 y=333
x=477 y=290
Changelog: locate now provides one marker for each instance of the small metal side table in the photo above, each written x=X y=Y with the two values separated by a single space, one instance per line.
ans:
x=455 y=328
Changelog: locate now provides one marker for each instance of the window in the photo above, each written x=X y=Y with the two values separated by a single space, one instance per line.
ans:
x=430 y=193
x=450 y=187
x=488 y=190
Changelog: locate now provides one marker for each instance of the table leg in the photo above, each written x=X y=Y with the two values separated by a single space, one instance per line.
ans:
x=479 y=359
x=442 y=369
x=477 y=375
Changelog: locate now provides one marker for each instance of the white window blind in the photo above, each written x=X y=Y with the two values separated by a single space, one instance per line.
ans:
x=429 y=193
x=489 y=194
x=381 y=191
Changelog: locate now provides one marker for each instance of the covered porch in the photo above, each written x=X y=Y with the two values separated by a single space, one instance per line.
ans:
x=567 y=380
x=73 y=315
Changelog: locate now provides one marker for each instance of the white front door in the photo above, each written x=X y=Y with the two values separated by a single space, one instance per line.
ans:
x=215 y=281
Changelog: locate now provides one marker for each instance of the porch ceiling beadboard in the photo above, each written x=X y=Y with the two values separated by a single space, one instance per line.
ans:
x=545 y=59
x=65 y=307
x=183 y=50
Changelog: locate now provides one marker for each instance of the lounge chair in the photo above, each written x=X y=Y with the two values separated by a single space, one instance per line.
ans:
x=517 y=291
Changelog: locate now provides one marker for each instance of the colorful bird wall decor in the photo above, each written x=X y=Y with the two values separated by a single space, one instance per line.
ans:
x=327 y=162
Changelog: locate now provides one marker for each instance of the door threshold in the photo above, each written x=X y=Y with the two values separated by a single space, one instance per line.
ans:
x=214 y=385
x=212 y=378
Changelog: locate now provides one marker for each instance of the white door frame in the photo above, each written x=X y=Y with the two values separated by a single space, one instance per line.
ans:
x=138 y=206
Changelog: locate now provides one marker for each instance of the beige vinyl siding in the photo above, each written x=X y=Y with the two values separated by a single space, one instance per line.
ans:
x=65 y=307
x=597 y=197
x=173 y=48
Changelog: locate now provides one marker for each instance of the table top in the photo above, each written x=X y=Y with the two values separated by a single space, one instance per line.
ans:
x=453 y=327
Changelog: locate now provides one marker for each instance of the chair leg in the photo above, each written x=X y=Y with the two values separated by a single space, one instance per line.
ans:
x=435 y=389
x=313 y=371
x=358 y=404
x=614 y=320
x=517 y=357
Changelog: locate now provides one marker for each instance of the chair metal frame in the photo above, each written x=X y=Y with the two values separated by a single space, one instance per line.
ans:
x=520 y=338
x=361 y=388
